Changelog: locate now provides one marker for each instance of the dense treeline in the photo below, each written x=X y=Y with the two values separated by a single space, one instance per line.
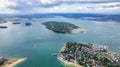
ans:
x=60 y=27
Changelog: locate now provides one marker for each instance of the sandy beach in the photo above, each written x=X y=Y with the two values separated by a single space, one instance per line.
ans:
x=78 y=31
x=67 y=64
x=12 y=63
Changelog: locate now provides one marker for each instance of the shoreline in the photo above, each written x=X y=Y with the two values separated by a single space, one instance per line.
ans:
x=67 y=64
x=69 y=57
x=70 y=30
x=13 y=62
x=79 y=31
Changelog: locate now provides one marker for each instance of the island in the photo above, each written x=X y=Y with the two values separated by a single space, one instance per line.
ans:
x=88 y=55
x=16 y=23
x=28 y=24
x=63 y=27
x=11 y=62
x=3 y=27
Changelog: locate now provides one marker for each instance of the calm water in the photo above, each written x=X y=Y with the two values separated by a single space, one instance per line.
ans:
x=37 y=43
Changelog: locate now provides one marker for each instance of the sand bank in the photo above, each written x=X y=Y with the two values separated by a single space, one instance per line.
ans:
x=13 y=62
x=78 y=31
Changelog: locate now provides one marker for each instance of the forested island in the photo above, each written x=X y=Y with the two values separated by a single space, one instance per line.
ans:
x=63 y=27
x=16 y=23
x=89 y=55
x=28 y=24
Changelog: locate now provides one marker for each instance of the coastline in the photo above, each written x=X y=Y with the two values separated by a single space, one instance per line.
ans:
x=67 y=64
x=13 y=62
x=52 y=26
x=78 y=31
x=68 y=56
x=63 y=47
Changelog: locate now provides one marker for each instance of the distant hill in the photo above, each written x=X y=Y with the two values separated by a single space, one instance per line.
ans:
x=7 y=15
x=96 y=17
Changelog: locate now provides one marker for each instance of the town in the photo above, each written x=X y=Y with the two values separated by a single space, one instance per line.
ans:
x=89 y=55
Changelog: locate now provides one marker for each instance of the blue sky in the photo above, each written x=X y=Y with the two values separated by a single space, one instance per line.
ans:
x=59 y=6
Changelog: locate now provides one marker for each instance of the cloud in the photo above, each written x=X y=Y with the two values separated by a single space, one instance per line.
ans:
x=112 y=4
x=91 y=1
x=6 y=3
x=49 y=2
x=59 y=6
x=7 y=11
x=4 y=6
x=52 y=2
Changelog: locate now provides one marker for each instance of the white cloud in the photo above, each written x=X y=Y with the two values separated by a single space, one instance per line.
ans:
x=59 y=6
x=4 y=6
x=7 y=11
x=6 y=3
x=45 y=2
x=109 y=4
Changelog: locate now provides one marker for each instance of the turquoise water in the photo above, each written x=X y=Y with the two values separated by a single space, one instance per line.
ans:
x=37 y=43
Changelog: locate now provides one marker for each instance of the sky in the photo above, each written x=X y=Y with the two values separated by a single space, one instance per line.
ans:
x=59 y=6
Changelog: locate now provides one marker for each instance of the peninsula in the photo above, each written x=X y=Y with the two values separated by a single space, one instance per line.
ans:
x=88 y=55
x=2 y=21
x=63 y=27
x=5 y=62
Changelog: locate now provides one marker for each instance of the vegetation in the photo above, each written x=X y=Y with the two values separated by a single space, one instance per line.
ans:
x=2 y=60
x=59 y=27
x=2 y=21
x=89 y=55
x=3 y=27
x=28 y=24
x=16 y=23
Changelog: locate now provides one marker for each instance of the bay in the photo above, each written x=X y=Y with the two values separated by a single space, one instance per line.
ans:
x=37 y=43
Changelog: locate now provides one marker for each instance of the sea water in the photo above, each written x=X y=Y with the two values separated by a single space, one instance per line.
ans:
x=37 y=43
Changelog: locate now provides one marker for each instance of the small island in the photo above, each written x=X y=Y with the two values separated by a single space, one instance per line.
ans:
x=3 y=27
x=28 y=24
x=88 y=55
x=63 y=27
x=16 y=23
x=11 y=62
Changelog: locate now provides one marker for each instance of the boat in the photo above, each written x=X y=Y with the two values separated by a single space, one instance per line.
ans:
x=54 y=54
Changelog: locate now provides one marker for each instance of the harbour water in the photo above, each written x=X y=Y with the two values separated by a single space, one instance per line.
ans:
x=37 y=43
